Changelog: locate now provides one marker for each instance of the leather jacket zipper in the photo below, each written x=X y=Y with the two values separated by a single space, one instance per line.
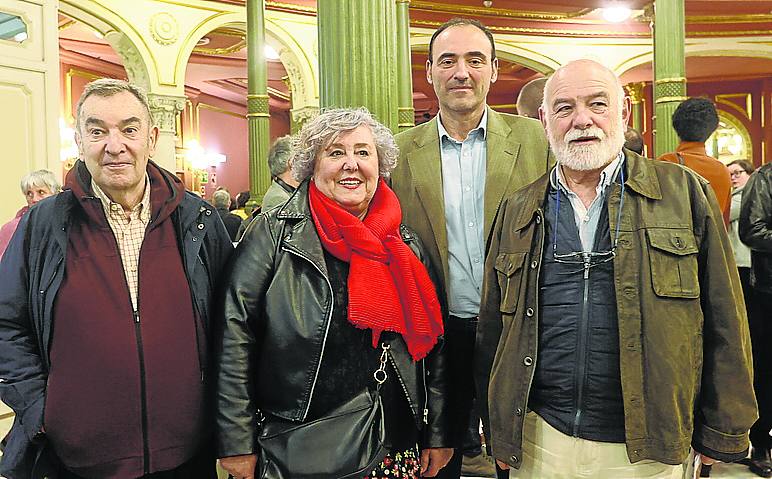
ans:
x=404 y=388
x=326 y=328
x=426 y=392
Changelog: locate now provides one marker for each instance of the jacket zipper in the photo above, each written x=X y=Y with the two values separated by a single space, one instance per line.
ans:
x=426 y=393
x=326 y=329
x=42 y=296
x=140 y=355
x=404 y=388
x=582 y=363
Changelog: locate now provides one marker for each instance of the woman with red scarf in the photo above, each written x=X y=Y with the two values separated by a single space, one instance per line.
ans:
x=323 y=291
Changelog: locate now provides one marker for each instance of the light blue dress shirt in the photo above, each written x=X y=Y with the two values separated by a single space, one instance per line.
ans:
x=463 y=187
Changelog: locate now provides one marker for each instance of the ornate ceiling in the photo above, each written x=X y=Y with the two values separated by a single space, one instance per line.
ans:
x=218 y=65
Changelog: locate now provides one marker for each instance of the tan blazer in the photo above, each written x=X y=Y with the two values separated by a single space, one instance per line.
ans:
x=517 y=155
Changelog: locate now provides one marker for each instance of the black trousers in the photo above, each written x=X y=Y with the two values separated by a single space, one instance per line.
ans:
x=201 y=466
x=459 y=346
x=758 y=305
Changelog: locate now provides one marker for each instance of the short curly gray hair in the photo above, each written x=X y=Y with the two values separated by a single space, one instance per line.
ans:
x=322 y=130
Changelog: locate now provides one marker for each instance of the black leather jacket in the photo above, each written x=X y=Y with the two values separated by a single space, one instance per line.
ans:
x=755 y=226
x=277 y=305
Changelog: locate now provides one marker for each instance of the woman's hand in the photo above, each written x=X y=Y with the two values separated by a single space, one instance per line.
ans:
x=433 y=459
x=240 y=467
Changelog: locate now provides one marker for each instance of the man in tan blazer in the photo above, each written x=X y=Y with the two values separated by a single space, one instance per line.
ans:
x=452 y=174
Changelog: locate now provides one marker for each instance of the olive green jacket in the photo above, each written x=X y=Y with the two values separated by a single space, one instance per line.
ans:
x=517 y=154
x=684 y=349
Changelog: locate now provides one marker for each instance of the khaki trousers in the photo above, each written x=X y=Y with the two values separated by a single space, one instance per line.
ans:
x=550 y=454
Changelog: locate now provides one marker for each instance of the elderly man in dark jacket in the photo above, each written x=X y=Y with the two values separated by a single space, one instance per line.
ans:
x=612 y=333
x=105 y=311
x=755 y=230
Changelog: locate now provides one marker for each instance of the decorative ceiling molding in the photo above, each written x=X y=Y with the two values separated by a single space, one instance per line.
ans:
x=494 y=12
x=546 y=31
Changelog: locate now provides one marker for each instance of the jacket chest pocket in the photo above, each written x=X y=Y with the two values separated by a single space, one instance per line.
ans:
x=509 y=271
x=673 y=258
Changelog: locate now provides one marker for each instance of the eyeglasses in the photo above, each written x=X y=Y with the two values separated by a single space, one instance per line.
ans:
x=589 y=259
x=736 y=173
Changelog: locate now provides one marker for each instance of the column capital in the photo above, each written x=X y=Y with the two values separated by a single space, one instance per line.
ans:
x=635 y=91
x=301 y=115
x=165 y=109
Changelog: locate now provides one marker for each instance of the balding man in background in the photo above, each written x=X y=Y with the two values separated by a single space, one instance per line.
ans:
x=530 y=97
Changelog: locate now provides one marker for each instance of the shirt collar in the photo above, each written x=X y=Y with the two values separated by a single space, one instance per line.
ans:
x=141 y=210
x=482 y=127
x=607 y=175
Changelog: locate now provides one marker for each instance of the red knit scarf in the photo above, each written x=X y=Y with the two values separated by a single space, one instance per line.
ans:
x=389 y=289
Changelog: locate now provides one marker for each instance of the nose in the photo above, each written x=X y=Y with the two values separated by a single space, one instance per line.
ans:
x=461 y=72
x=113 y=143
x=582 y=118
x=350 y=163
x=36 y=196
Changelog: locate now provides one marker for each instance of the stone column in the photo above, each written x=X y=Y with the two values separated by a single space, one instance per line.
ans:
x=165 y=109
x=669 y=71
x=635 y=92
x=358 y=56
x=405 y=110
x=258 y=119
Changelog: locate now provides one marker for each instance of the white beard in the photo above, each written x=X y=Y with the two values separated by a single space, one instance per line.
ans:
x=591 y=156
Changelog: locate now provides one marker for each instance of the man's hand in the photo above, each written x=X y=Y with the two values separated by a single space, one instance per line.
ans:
x=708 y=461
x=240 y=467
x=433 y=459
x=502 y=465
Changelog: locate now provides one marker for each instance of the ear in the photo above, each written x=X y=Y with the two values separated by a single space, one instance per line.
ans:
x=152 y=140
x=627 y=109
x=429 y=72
x=495 y=68
x=543 y=117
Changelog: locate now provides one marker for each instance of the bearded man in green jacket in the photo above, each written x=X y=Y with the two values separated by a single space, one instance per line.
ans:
x=613 y=336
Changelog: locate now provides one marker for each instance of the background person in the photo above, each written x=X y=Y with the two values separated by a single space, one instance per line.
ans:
x=283 y=184
x=317 y=286
x=34 y=186
x=694 y=121
x=530 y=97
x=755 y=230
x=221 y=200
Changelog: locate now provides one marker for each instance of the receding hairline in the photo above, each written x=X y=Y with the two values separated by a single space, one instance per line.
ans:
x=491 y=55
x=548 y=85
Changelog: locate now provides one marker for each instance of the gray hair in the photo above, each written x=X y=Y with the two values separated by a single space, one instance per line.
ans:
x=322 y=130
x=279 y=155
x=40 y=178
x=221 y=199
x=107 y=87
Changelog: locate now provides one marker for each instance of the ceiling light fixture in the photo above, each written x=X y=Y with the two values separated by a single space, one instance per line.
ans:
x=488 y=3
x=616 y=13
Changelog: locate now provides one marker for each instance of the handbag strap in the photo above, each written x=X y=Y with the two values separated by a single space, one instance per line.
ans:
x=380 y=375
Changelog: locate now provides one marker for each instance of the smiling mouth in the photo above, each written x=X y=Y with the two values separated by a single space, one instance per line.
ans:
x=350 y=183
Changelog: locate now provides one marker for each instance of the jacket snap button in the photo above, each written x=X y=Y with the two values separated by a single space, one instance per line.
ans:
x=538 y=220
x=515 y=459
x=519 y=412
x=529 y=312
x=200 y=226
x=527 y=361
x=195 y=239
x=534 y=264
x=208 y=212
